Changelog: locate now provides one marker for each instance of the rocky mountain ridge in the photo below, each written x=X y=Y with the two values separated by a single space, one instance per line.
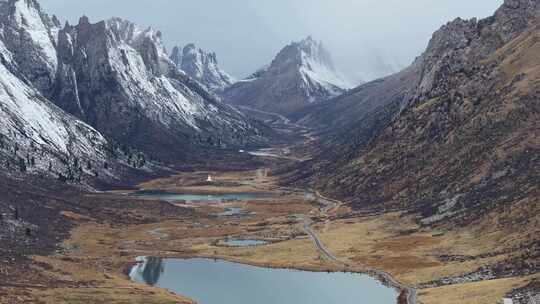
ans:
x=451 y=142
x=87 y=97
x=118 y=78
x=453 y=135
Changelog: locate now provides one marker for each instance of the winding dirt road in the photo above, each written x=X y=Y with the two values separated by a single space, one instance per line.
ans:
x=329 y=205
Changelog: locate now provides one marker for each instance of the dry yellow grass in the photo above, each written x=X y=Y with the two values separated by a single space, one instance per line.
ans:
x=377 y=243
x=486 y=292
x=97 y=255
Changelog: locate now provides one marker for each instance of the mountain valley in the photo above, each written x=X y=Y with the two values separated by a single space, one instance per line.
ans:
x=118 y=156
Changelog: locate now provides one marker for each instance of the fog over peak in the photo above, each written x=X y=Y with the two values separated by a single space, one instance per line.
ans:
x=367 y=38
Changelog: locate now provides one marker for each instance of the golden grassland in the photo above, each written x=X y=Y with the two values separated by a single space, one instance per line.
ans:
x=92 y=265
x=473 y=293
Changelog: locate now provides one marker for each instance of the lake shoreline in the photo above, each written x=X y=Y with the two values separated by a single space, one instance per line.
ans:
x=135 y=276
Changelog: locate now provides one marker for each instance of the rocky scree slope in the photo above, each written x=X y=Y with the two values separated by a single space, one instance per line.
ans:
x=461 y=145
x=301 y=74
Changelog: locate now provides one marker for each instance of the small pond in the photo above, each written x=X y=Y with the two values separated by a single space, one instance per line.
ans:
x=218 y=282
x=244 y=243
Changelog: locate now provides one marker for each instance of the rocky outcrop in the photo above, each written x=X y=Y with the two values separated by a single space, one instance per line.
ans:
x=201 y=66
x=301 y=74
x=459 y=45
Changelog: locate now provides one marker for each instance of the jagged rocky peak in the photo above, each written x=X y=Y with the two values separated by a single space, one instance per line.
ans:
x=302 y=73
x=314 y=63
x=147 y=41
x=114 y=76
x=31 y=36
x=304 y=51
x=202 y=66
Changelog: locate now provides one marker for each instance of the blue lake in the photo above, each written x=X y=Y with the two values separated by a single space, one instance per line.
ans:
x=176 y=197
x=218 y=282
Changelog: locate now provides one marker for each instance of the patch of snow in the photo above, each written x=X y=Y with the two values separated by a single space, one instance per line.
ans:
x=29 y=19
x=5 y=53
x=156 y=95
x=322 y=74
x=28 y=119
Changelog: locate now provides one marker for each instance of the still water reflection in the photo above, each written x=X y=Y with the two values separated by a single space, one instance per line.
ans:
x=218 y=282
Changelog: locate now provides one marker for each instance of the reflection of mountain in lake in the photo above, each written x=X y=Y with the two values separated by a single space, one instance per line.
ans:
x=152 y=269
x=209 y=281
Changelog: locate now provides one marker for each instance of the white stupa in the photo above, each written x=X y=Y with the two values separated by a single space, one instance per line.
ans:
x=209 y=179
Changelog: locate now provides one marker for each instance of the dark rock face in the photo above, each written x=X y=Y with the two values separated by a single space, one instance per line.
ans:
x=461 y=44
x=301 y=74
x=202 y=66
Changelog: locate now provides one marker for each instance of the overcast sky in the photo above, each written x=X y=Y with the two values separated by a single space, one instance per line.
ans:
x=367 y=38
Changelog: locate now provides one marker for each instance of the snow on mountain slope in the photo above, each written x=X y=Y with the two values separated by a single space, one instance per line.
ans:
x=120 y=79
x=36 y=136
x=31 y=36
x=302 y=73
x=316 y=67
x=201 y=66
x=29 y=19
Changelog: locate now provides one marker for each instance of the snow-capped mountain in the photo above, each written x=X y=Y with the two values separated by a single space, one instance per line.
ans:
x=71 y=96
x=120 y=79
x=302 y=73
x=201 y=66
